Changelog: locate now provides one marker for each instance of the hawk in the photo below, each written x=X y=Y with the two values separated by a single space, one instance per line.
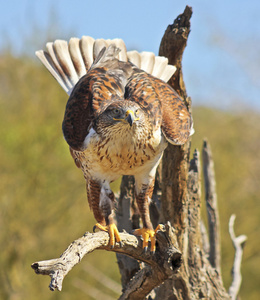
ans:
x=118 y=120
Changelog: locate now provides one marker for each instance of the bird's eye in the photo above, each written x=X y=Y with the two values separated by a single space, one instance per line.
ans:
x=137 y=112
x=116 y=111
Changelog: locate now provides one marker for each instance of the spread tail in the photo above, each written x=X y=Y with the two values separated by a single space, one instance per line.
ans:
x=68 y=62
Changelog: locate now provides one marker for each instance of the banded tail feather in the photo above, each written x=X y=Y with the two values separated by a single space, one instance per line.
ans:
x=69 y=61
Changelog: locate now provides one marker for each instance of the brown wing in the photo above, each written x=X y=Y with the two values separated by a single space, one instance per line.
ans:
x=176 y=120
x=103 y=84
x=162 y=104
x=141 y=89
x=91 y=94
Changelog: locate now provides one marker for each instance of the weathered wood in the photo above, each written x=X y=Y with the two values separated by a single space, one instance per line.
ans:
x=238 y=243
x=175 y=163
x=204 y=239
x=194 y=192
x=172 y=46
x=127 y=219
x=199 y=280
x=212 y=207
x=200 y=272
x=151 y=276
x=181 y=203
x=164 y=263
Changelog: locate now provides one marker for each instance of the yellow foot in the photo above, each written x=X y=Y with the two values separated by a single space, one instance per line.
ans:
x=146 y=234
x=112 y=231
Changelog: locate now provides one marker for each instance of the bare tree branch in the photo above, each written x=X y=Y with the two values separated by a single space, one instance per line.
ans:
x=238 y=243
x=212 y=207
x=204 y=239
x=165 y=262
x=198 y=264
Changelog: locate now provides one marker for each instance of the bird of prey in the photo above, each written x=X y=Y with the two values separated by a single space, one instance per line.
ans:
x=118 y=120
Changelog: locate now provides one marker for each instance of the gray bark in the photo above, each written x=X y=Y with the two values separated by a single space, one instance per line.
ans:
x=212 y=207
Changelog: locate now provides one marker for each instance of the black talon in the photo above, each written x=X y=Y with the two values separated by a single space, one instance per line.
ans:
x=145 y=249
x=112 y=246
x=120 y=244
x=94 y=228
x=153 y=252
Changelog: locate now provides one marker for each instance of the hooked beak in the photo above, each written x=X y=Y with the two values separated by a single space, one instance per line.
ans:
x=130 y=117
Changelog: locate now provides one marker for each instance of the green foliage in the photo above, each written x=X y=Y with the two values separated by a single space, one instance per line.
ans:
x=43 y=204
x=43 y=200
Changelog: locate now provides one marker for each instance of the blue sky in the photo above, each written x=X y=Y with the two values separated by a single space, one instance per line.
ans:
x=221 y=63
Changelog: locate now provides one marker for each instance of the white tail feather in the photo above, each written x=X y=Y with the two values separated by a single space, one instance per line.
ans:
x=134 y=57
x=51 y=51
x=147 y=61
x=76 y=57
x=159 y=66
x=168 y=72
x=99 y=44
x=69 y=62
x=64 y=58
x=48 y=62
x=86 y=48
x=122 y=55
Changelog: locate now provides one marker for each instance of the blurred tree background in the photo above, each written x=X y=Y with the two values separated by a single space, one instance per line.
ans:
x=43 y=204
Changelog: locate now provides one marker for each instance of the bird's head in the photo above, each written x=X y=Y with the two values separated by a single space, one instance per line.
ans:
x=120 y=115
x=121 y=118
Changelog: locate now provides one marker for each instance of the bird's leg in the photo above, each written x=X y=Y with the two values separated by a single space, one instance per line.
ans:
x=143 y=200
x=106 y=205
